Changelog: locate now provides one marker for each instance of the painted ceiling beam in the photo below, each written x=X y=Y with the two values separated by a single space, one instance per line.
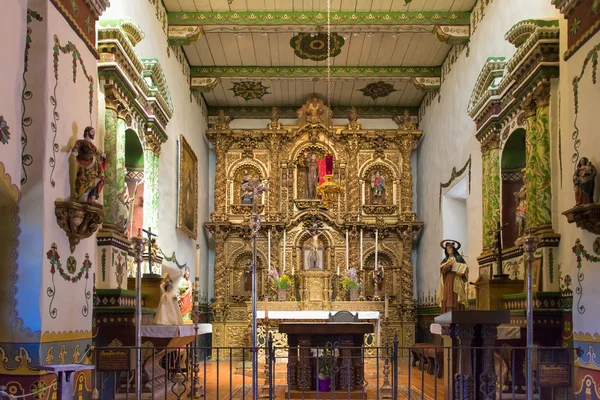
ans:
x=272 y=18
x=284 y=72
x=289 y=112
x=206 y=78
x=449 y=27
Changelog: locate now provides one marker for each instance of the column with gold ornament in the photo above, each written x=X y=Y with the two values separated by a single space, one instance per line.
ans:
x=538 y=168
x=151 y=158
x=353 y=195
x=490 y=149
x=220 y=305
x=112 y=242
x=406 y=303
x=222 y=141
x=407 y=143
x=274 y=145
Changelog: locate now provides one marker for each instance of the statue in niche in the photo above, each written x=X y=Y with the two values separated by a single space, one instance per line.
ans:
x=312 y=175
x=521 y=212
x=185 y=294
x=91 y=163
x=454 y=274
x=314 y=255
x=246 y=189
x=248 y=276
x=377 y=188
x=378 y=276
x=584 y=182
x=168 y=312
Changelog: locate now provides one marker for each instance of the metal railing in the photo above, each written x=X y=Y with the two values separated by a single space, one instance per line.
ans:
x=393 y=372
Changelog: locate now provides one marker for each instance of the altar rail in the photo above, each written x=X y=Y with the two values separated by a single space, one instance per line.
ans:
x=225 y=373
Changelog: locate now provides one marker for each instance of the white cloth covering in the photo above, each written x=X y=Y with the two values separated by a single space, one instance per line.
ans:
x=165 y=331
x=168 y=312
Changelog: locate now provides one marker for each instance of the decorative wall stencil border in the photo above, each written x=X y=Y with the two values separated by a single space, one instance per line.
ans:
x=551 y=265
x=478 y=13
x=23 y=361
x=26 y=159
x=289 y=72
x=16 y=321
x=587 y=382
x=161 y=14
x=54 y=258
x=82 y=19
x=581 y=254
x=451 y=58
x=591 y=56
x=103 y=264
x=68 y=48
x=65 y=336
x=586 y=337
x=455 y=174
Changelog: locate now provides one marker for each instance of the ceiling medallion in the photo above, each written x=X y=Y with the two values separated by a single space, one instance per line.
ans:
x=311 y=46
x=378 y=89
x=249 y=90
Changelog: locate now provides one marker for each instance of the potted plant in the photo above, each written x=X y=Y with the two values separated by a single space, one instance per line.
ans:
x=324 y=361
x=350 y=283
x=282 y=283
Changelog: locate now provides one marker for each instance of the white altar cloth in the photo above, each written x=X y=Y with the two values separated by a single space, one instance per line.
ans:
x=320 y=314
x=505 y=331
x=172 y=331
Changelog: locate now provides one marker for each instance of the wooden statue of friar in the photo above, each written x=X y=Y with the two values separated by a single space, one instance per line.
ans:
x=454 y=275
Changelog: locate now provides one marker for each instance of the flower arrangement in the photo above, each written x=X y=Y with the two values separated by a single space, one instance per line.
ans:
x=350 y=279
x=281 y=282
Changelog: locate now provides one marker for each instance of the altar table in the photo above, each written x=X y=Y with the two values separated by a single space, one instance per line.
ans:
x=307 y=335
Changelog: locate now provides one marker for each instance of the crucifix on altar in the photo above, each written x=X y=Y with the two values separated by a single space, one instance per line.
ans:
x=314 y=256
x=152 y=248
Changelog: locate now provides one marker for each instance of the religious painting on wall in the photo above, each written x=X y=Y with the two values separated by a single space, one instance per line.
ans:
x=187 y=216
x=313 y=259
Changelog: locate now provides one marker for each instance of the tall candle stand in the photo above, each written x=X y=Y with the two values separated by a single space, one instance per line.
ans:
x=196 y=391
x=386 y=388
x=265 y=386
x=362 y=297
x=139 y=244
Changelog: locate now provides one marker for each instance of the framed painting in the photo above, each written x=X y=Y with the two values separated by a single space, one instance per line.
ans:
x=309 y=263
x=187 y=214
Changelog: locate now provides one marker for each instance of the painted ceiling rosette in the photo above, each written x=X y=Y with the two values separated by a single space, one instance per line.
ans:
x=311 y=46
x=378 y=89
x=249 y=90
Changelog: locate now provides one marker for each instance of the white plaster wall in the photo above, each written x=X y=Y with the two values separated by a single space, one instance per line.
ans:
x=72 y=106
x=11 y=81
x=449 y=135
x=563 y=198
x=187 y=120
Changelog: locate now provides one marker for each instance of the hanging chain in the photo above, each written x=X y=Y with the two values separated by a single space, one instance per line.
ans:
x=329 y=54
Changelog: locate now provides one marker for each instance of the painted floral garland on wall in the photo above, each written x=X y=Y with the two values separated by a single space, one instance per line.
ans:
x=26 y=159
x=69 y=48
x=593 y=57
x=455 y=174
x=581 y=254
x=4 y=133
x=69 y=275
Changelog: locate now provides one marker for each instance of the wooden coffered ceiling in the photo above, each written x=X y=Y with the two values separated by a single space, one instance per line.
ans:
x=255 y=54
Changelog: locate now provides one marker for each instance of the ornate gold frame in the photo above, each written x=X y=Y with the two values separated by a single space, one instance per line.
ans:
x=187 y=155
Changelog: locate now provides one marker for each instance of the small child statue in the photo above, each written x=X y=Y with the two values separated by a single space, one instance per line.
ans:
x=168 y=312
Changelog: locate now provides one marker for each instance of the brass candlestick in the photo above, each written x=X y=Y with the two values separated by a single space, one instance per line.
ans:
x=265 y=386
x=196 y=391
x=386 y=388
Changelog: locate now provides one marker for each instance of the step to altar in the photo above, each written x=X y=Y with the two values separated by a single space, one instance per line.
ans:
x=312 y=395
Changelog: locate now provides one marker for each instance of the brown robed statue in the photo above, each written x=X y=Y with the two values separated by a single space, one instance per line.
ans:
x=454 y=274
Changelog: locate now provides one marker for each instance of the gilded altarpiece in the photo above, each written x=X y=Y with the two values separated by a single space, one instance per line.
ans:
x=313 y=239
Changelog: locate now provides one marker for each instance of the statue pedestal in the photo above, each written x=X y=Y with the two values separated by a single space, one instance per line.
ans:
x=490 y=292
x=470 y=366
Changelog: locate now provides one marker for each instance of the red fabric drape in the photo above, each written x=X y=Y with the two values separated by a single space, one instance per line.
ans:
x=321 y=166
x=329 y=165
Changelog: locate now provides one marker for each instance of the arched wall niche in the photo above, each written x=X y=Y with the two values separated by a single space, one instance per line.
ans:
x=512 y=163
x=134 y=179
x=389 y=263
x=388 y=174
x=301 y=157
x=325 y=240
x=240 y=281
x=236 y=177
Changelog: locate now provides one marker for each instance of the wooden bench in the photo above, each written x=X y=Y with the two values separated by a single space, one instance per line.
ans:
x=429 y=356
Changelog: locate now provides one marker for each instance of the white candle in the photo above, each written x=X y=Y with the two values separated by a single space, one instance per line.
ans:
x=292 y=269
x=386 y=312
x=266 y=306
x=376 y=246
x=361 y=249
x=284 y=240
x=197 y=262
x=269 y=249
x=347 y=251
x=338 y=269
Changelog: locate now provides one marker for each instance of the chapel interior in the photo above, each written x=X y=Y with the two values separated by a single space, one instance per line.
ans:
x=299 y=199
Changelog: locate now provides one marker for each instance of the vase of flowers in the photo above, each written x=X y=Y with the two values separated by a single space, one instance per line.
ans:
x=324 y=375
x=282 y=283
x=350 y=283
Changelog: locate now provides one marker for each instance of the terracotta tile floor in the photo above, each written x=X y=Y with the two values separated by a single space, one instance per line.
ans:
x=220 y=384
